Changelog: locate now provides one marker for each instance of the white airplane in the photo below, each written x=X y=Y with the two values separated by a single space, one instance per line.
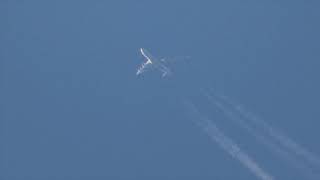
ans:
x=153 y=63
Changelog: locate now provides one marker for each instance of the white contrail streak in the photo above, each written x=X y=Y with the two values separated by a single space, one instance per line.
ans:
x=272 y=138
x=227 y=144
x=281 y=138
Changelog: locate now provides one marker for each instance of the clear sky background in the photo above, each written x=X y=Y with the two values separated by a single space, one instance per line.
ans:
x=72 y=107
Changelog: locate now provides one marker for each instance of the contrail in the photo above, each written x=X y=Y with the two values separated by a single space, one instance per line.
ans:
x=269 y=136
x=281 y=138
x=226 y=143
x=287 y=142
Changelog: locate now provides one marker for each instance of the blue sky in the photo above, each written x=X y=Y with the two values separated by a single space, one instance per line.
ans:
x=72 y=106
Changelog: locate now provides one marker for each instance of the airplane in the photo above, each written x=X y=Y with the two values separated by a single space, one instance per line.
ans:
x=153 y=63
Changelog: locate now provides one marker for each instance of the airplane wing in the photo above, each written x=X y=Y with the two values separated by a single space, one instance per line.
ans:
x=148 y=64
x=144 y=67
x=147 y=55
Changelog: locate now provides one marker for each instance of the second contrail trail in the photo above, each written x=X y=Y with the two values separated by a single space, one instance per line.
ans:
x=267 y=135
x=226 y=143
